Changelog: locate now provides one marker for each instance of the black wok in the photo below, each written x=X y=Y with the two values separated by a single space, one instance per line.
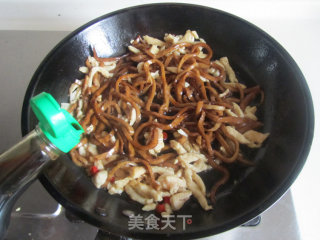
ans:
x=287 y=114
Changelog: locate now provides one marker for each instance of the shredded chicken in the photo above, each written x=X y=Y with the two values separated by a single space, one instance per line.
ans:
x=177 y=200
x=229 y=70
x=196 y=190
x=251 y=138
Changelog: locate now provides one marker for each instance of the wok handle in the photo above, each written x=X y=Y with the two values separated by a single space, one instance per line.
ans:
x=19 y=166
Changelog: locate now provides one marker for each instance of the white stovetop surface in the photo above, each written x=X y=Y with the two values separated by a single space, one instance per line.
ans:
x=294 y=24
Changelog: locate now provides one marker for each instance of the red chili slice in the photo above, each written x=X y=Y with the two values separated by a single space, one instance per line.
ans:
x=94 y=170
x=160 y=208
x=166 y=199
x=112 y=179
x=164 y=135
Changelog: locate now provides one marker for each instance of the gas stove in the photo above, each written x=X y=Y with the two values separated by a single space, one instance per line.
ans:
x=43 y=218
x=37 y=215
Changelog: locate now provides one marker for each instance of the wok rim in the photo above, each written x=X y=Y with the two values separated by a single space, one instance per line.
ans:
x=248 y=215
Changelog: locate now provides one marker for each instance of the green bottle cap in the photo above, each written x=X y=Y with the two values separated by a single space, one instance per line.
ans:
x=57 y=124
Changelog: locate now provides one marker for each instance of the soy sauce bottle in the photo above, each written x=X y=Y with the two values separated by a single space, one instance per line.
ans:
x=56 y=134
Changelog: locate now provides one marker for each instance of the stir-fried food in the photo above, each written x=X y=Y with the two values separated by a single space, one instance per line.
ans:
x=158 y=116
